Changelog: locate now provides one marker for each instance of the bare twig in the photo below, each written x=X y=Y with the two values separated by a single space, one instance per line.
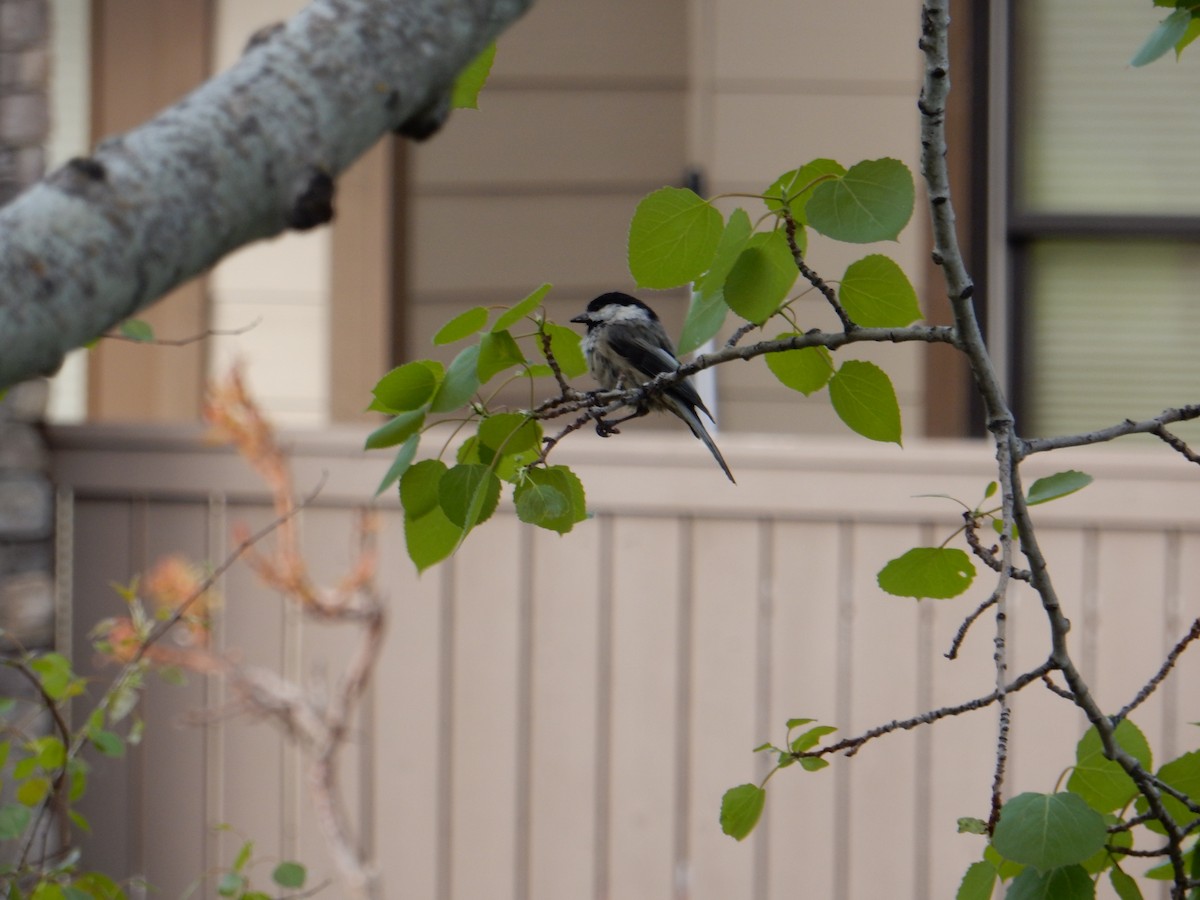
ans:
x=1146 y=426
x=789 y=225
x=961 y=634
x=183 y=342
x=851 y=746
x=1163 y=672
x=1176 y=443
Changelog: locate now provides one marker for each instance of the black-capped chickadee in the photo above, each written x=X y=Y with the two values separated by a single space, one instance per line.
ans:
x=626 y=346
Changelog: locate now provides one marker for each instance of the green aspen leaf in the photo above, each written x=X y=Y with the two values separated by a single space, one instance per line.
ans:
x=936 y=573
x=468 y=495
x=811 y=738
x=537 y=371
x=734 y=238
x=705 y=316
x=537 y=503
x=971 y=825
x=741 y=808
x=107 y=742
x=863 y=397
x=1058 y=485
x=430 y=538
x=397 y=431
x=1101 y=782
x=672 y=238
x=507 y=443
x=54 y=673
x=1189 y=36
x=1183 y=774
x=48 y=890
x=33 y=791
x=14 y=819
x=796 y=188
x=978 y=882
x=1005 y=868
x=243 y=857
x=872 y=202
x=463 y=325
x=1103 y=859
x=1065 y=883
x=289 y=875
x=231 y=884
x=471 y=80
x=806 y=370
x=761 y=278
x=400 y=464
x=877 y=294
x=1048 y=831
x=497 y=352
x=1125 y=887
x=409 y=386
x=461 y=381
x=419 y=486
x=80 y=821
x=1170 y=31
x=508 y=434
x=812 y=763
x=521 y=309
x=796 y=723
x=567 y=347
x=49 y=752
x=137 y=330
x=534 y=497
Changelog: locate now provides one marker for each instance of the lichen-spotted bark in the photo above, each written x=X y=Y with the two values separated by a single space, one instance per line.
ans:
x=245 y=156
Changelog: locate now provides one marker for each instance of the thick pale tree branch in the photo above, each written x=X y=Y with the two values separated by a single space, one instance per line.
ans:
x=247 y=155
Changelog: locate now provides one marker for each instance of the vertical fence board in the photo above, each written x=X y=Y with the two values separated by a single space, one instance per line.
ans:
x=723 y=691
x=176 y=836
x=884 y=688
x=103 y=557
x=407 y=701
x=487 y=605
x=643 y=752
x=804 y=659
x=563 y=742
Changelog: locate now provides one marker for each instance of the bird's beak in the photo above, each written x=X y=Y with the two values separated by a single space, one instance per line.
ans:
x=583 y=319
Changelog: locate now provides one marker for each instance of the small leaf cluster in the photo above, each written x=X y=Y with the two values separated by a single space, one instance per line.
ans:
x=1175 y=32
x=235 y=881
x=443 y=503
x=1060 y=844
x=677 y=237
x=45 y=775
x=942 y=573
x=742 y=806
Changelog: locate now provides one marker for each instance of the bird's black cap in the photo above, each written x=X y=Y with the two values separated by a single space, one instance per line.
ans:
x=618 y=299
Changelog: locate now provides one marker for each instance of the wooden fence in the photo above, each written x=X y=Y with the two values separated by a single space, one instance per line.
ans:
x=558 y=717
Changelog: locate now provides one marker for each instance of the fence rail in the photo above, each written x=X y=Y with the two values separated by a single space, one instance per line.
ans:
x=558 y=717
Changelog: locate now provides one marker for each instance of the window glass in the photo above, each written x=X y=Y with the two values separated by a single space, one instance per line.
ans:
x=1112 y=333
x=1093 y=133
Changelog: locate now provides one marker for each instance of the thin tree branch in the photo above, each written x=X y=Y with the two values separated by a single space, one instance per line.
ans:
x=1161 y=674
x=1146 y=426
x=810 y=275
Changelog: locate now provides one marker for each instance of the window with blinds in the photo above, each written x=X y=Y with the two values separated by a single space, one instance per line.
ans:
x=1105 y=218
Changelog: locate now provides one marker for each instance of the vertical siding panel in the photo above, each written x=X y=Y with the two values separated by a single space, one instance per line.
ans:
x=885 y=643
x=484 y=710
x=407 y=695
x=804 y=663
x=645 y=616
x=723 y=694
x=329 y=542
x=1131 y=609
x=961 y=748
x=566 y=582
x=250 y=625
x=103 y=557
x=1181 y=701
x=174 y=855
x=1045 y=728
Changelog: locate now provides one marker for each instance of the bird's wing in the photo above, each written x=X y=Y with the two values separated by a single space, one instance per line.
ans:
x=652 y=359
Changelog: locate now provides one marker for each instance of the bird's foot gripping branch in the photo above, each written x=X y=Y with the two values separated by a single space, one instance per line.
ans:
x=745 y=263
